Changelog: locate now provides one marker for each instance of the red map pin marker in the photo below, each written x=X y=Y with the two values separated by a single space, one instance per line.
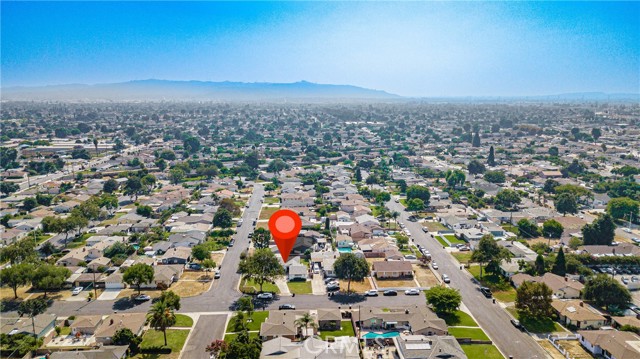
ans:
x=285 y=226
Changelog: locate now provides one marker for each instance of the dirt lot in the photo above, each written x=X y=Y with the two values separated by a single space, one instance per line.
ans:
x=543 y=240
x=218 y=257
x=555 y=354
x=389 y=283
x=266 y=212
x=132 y=292
x=7 y=293
x=425 y=276
x=263 y=224
x=575 y=349
x=190 y=288
x=195 y=275
x=358 y=287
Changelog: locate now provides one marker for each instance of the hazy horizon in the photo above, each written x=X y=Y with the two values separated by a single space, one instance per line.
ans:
x=410 y=49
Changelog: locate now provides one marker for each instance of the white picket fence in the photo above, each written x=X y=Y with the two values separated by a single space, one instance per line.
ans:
x=553 y=339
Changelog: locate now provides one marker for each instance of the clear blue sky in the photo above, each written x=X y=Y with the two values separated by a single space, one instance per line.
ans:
x=413 y=49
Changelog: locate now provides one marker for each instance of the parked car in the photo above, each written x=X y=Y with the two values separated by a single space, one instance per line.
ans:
x=287 y=307
x=371 y=293
x=232 y=242
x=486 y=291
x=76 y=290
x=410 y=257
x=329 y=280
x=464 y=249
x=425 y=230
x=412 y=291
x=333 y=287
x=216 y=275
x=142 y=298
x=434 y=265
x=333 y=282
x=445 y=278
x=389 y=292
x=194 y=266
x=516 y=323
x=265 y=296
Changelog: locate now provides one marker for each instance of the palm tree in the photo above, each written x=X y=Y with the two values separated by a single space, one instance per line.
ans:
x=395 y=215
x=162 y=317
x=95 y=143
x=239 y=322
x=306 y=321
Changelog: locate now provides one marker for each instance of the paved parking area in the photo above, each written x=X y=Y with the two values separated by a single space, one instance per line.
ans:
x=109 y=294
x=317 y=285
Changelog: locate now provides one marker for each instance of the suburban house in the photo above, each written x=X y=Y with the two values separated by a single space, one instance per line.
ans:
x=329 y=319
x=417 y=319
x=282 y=324
x=578 y=314
x=110 y=351
x=310 y=348
x=165 y=275
x=133 y=321
x=44 y=323
x=178 y=255
x=392 y=269
x=85 y=324
x=562 y=287
x=611 y=344
x=427 y=347
x=297 y=271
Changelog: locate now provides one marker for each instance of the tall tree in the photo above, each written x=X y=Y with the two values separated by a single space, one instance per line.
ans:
x=606 y=291
x=507 y=199
x=110 y=185
x=528 y=228
x=622 y=207
x=421 y=192
x=596 y=133
x=261 y=267
x=351 y=267
x=566 y=203
x=533 y=301
x=600 y=231
x=171 y=299
x=137 y=275
x=245 y=304
x=476 y=140
x=487 y=251
x=443 y=299
x=539 y=265
x=552 y=229
x=560 y=264
x=47 y=277
x=491 y=159
x=32 y=308
x=222 y=218
x=475 y=167
x=161 y=317
x=261 y=238
x=16 y=276
x=358 y=175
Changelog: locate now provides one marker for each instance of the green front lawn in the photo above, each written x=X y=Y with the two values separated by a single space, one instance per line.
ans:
x=442 y=242
x=257 y=318
x=346 y=329
x=494 y=281
x=229 y=337
x=434 y=226
x=183 y=321
x=65 y=331
x=462 y=257
x=403 y=202
x=300 y=287
x=472 y=333
x=155 y=339
x=266 y=287
x=453 y=239
x=271 y=200
x=458 y=318
x=484 y=351
x=537 y=326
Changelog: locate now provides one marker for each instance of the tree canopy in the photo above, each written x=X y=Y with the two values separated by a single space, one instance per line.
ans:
x=443 y=299
x=351 y=267
x=606 y=291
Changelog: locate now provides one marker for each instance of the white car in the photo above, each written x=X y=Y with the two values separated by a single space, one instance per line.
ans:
x=627 y=230
x=265 y=296
x=76 y=290
x=371 y=293
x=412 y=291
x=434 y=265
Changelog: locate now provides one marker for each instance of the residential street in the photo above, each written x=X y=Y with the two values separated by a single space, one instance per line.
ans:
x=207 y=329
x=493 y=319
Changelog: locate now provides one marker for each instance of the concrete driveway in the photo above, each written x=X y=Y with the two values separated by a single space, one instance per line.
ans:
x=109 y=294
x=208 y=328
x=317 y=285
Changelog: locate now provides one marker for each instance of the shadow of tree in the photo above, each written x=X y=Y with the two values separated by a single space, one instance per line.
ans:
x=124 y=303
x=347 y=298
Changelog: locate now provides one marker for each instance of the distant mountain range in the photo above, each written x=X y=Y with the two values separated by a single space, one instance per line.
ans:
x=164 y=90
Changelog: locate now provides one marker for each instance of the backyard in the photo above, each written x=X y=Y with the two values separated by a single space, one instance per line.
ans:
x=346 y=329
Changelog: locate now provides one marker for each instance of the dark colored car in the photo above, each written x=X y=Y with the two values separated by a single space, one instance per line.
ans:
x=389 y=293
x=517 y=324
x=486 y=291
x=287 y=307
x=333 y=287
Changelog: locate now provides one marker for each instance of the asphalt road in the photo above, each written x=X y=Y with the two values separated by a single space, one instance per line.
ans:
x=207 y=329
x=492 y=318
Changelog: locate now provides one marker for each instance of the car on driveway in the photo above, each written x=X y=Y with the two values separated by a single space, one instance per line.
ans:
x=287 y=307
x=333 y=287
x=142 y=298
x=412 y=291
x=76 y=290
x=265 y=296
x=389 y=293
x=371 y=293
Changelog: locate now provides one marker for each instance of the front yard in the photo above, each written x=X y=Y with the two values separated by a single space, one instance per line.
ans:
x=266 y=212
x=300 y=287
x=154 y=339
x=458 y=318
x=395 y=283
x=471 y=333
x=538 y=326
x=434 y=226
x=484 y=351
x=425 y=276
x=453 y=239
x=501 y=288
x=257 y=318
x=266 y=287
